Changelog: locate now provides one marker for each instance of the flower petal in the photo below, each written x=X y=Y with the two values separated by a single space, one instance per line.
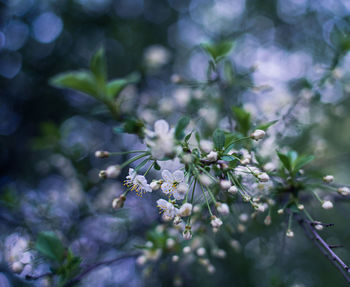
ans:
x=167 y=176
x=161 y=127
x=179 y=175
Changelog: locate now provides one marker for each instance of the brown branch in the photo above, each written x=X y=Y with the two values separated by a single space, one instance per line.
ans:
x=325 y=248
x=90 y=268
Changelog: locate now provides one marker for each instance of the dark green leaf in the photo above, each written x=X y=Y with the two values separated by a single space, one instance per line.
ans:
x=180 y=127
x=228 y=158
x=187 y=138
x=49 y=245
x=156 y=166
x=81 y=81
x=219 y=139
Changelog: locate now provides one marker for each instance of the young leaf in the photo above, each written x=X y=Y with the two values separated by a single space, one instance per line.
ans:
x=228 y=158
x=265 y=126
x=285 y=161
x=180 y=127
x=243 y=119
x=115 y=86
x=98 y=66
x=49 y=245
x=219 y=139
x=81 y=81
x=302 y=160
x=217 y=51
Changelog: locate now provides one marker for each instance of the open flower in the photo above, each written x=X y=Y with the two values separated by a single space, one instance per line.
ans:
x=137 y=183
x=174 y=184
x=161 y=140
x=167 y=208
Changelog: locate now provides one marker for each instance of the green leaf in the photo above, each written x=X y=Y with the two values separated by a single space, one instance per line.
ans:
x=243 y=119
x=303 y=160
x=180 y=127
x=217 y=51
x=82 y=81
x=285 y=161
x=115 y=86
x=156 y=166
x=219 y=139
x=187 y=138
x=228 y=158
x=265 y=126
x=98 y=66
x=49 y=245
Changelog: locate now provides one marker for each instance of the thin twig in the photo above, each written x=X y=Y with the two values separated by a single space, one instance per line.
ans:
x=325 y=248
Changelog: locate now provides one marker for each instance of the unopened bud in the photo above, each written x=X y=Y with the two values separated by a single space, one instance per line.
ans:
x=101 y=154
x=118 y=202
x=257 y=135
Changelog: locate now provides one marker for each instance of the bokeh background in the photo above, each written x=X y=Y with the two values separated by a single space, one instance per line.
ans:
x=48 y=173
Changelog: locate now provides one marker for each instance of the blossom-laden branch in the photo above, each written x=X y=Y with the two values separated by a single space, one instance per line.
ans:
x=325 y=247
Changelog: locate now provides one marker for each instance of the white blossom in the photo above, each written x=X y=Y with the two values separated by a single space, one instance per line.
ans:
x=161 y=140
x=167 y=208
x=174 y=184
x=156 y=56
x=201 y=251
x=137 y=183
x=289 y=233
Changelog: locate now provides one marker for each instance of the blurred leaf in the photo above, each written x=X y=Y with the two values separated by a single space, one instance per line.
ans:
x=115 y=86
x=98 y=66
x=219 y=139
x=228 y=158
x=303 y=160
x=285 y=161
x=265 y=126
x=131 y=125
x=229 y=72
x=187 y=138
x=49 y=245
x=218 y=50
x=180 y=127
x=81 y=81
x=243 y=119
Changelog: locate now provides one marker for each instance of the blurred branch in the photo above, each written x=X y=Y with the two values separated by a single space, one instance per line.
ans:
x=90 y=268
x=325 y=247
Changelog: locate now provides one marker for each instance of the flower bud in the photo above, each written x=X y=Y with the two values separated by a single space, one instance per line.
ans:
x=257 y=135
x=225 y=184
x=344 y=191
x=187 y=234
x=215 y=222
x=206 y=145
x=201 y=251
x=155 y=185
x=175 y=258
x=102 y=174
x=113 y=171
x=101 y=154
x=280 y=211
x=267 y=220
x=263 y=177
x=212 y=156
x=327 y=204
x=328 y=178
x=289 y=233
x=300 y=206
x=118 y=202
x=222 y=208
x=17 y=267
x=205 y=180
x=233 y=189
